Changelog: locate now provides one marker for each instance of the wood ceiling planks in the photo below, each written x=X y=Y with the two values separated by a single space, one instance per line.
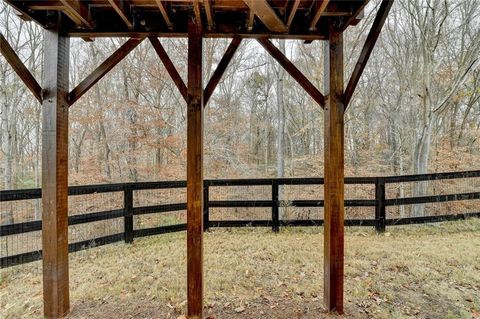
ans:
x=289 y=19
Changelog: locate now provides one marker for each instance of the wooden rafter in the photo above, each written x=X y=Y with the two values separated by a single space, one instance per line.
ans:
x=267 y=15
x=27 y=78
x=293 y=71
x=164 y=13
x=321 y=9
x=222 y=18
x=292 y=13
x=78 y=12
x=209 y=12
x=222 y=66
x=367 y=49
x=121 y=7
x=355 y=15
x=167 y=62
x=198 y=13
x=251 y=19
x=103 y=69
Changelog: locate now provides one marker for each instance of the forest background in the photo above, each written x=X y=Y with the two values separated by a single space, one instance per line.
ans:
x=416 y=110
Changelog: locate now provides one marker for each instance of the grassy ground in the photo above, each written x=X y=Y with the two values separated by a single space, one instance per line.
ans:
x=430 y=271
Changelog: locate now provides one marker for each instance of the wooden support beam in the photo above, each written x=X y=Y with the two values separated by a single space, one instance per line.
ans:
x=251 y=20
x=367 y=49
x=172 y=71
x=78 y=12
x=293 y=71
x=320 y=10
x=164 y=13
x=267 y=15
x=220 y=70
x=334 y=173
x=121 y=7
x=198 y=13
x=55 y=175
x=195 y=173
x=209 y=12
x=355 y=15
x=27 y=78
x=292 y=13
x=102 y=70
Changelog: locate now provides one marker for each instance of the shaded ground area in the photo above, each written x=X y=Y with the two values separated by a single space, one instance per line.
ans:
x=428 y=271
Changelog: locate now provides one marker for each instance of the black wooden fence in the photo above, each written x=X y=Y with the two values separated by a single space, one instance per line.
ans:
x=380 y=203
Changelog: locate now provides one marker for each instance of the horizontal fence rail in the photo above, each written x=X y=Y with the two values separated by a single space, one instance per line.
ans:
x=275 y=203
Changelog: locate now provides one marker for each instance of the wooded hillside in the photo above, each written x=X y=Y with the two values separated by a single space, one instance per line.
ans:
x=417 y=108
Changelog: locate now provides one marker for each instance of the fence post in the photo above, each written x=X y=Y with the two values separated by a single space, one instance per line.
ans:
x=128 y=213
x=206 y=210
x=275 y=204
x=380 y=215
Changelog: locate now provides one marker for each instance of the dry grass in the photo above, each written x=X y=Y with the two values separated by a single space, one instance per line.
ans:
x=411 y=272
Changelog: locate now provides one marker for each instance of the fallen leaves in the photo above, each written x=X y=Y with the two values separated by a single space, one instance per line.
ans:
x=239 y=309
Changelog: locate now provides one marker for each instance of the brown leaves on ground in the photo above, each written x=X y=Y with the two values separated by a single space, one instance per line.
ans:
x=428 y=271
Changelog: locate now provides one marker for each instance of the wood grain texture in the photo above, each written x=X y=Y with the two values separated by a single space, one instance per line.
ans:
x=77 y=11
x=164 y=13
x=292 y=13
x=318 y=14
x=316 y=95
x=197 y=11
x=55 y=176
x=172 y=71
x=350 y=20
x=334 y=174
x=222 y=18
x=27 y=78
x=220 y=70
x=102 y=70
x=209 y=13
x=121 y=7
x=267 y=15
x=367 y=49
x=195 y=174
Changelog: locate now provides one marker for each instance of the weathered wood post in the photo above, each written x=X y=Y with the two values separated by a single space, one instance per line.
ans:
x=380 y=214
x=195 y=173
x=128 y=213
x=275 y=207
x=55 y=174
x=206 y=209
x=334 y=172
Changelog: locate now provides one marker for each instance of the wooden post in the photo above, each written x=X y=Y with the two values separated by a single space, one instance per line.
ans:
x=380 y=214
x=55 y=175
x=334 y=173
x=275 y=208
x=206 y=209
x=128 y=213
x=195 y=173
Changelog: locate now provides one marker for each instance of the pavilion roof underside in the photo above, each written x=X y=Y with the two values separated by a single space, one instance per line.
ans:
x=295 y=19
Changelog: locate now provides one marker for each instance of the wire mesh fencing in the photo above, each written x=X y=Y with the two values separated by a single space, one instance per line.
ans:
x=435 y=189
x=103 y=214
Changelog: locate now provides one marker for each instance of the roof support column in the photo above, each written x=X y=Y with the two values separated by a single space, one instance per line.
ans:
x=55 y=174
x=195 y=173
x=334 y=172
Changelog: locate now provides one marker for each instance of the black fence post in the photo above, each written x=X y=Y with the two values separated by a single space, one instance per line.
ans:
x=128 y=213
x=380 y=215
x=206 y=210
x=275 y=209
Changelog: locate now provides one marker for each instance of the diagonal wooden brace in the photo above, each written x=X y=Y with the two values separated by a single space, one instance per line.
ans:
x=27 y=78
